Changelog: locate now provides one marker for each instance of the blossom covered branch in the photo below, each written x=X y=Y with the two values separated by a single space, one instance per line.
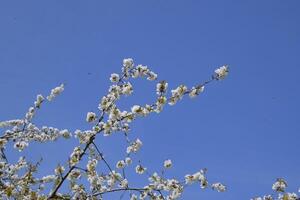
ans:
x=19 y=181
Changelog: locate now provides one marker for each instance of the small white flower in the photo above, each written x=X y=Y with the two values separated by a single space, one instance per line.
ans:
x=127 y=89
x=139 y=169
x=59 y=170
x=124 y=183
x=219 y=187
x=196 y=91
x=65 y=133
x=74 y=174
x=120 y=164
x=167 y=163
x=279 y=185
x=161 y=87
x=128 y=63
x=91 y=166
x=221 y=72
x=136 y=109
x=128 y=160
x=152 y=76
x=21 y=145
x=114 y=78
x=90 y=117
x=39 y=100
x=267 y=197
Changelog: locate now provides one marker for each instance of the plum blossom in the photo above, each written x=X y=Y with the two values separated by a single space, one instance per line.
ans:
x=221 y=72
x=139 y=169
x=55 y=92
x=167 y=163
x=20 y=181
x=114 y=78
x=90 y=117
x=39 y=101
x=279 y=185
x=219 y=187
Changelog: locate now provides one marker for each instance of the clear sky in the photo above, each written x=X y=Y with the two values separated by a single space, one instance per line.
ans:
x=244 y=129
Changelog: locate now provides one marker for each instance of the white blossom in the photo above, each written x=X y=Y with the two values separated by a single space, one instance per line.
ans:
x=139 y=169
x=135 y=146
x=55 y=92
x=39 y=101
x=221 y=72
x=127 y=88
x=91 y=166
x=59 y=170
x=133 y=197
x=14 y=122
x=30 y=113
x=124 y=183
x=152 y=76
x=75 y=156
x=65 y=133
x=120 y=164
x=90 y=117
x=195 y=91
x=114 y=78
x=167 y=163
x=177 y=94
x=128 y=160
x=48 y=178
x=219 y=187
x=279 y=185
x=136 y=109
x=21 y=145
x=128 y=63
x=75 y=174
x=161 y=87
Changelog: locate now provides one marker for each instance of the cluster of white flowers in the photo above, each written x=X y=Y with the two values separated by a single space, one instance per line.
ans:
x=197 y=177
x=195 y=91
x=177 y=94
x=221 y=72
x=55 y=92
x=75 y=156
x=19 y=181
x=59 y=170
x=219 y=187
x=84 y=136
x=134 y=146
x=91 y=166
x=39 y=101
x=14 y=122
x=279 y=186
x=20 y=145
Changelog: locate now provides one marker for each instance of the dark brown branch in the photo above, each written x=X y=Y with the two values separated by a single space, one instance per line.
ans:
x=124 y=189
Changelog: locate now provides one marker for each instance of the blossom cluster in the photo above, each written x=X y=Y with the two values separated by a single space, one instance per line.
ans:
x=20 y=181
x=280 y=188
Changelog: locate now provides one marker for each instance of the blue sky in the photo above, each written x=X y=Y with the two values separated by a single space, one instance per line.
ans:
x=245 y=129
